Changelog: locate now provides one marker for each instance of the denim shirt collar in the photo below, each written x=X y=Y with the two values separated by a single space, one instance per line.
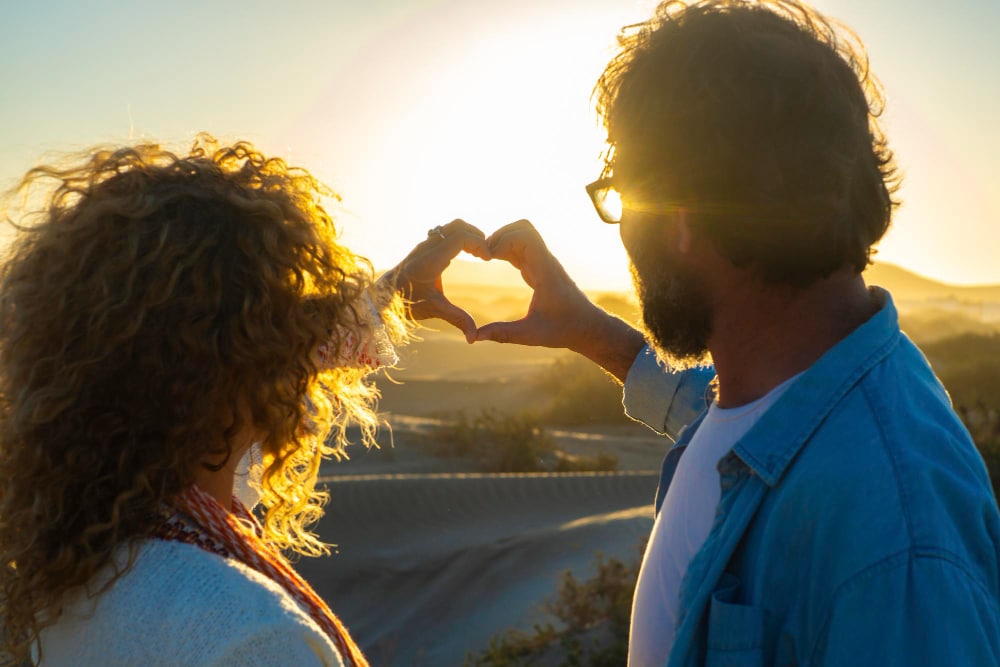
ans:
x=774 y=441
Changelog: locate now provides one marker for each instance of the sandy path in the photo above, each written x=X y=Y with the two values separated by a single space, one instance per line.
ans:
x=430 y=566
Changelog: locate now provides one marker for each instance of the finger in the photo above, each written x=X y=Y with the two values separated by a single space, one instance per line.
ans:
x=521 y=332
x=516 y=228
x=473 y=240
x=456 y=317
x=459 y=224
x=510 y=248
x=471 y=243
x=524 y=249
x=512 y=251
x=517 y=239
x=438 y=250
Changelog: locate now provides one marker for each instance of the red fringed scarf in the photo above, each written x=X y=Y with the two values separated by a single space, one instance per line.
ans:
x=238 y=535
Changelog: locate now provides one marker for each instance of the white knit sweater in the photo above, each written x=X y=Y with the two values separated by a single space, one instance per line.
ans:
x=180 y=605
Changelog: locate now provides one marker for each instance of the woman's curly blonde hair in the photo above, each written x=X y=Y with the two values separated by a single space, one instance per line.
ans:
x=152 y=307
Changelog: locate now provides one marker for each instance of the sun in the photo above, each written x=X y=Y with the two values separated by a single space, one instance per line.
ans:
x=496 y=125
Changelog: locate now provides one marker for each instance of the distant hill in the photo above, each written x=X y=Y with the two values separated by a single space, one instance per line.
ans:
x=930 y=311
x=906 y=285
x=484 y=274
x=926 y=325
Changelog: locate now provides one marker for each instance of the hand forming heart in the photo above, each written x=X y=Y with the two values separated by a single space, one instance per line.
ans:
x=558 y=312
x=418 y=276
x=560 y=315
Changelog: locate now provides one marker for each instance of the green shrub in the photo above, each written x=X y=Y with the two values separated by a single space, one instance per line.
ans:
x=502 y=442
x=969 y=367
x=990 y=450
x=593 y=620
x=580 y=394
x=499 y=442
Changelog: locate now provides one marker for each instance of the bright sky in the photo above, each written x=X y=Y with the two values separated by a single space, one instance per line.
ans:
x=419 y=111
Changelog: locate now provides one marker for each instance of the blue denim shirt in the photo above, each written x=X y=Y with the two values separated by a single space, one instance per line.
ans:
x=857 y=524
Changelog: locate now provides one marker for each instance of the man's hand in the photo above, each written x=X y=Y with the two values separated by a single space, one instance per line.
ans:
x=418 y=276
x=560 y=314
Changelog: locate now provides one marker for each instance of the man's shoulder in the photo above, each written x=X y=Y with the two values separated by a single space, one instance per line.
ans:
x=898 y=421
x=888 y=475
x=894 y=411
x=892 y=469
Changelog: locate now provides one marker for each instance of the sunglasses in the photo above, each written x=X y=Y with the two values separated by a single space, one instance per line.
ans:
x=609 y=202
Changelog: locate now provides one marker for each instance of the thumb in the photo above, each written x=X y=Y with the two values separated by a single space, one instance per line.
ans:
x=519 y=331
x=458 y=318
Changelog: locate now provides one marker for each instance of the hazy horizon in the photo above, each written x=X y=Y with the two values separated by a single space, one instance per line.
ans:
x=420 y=111
x=497 y=273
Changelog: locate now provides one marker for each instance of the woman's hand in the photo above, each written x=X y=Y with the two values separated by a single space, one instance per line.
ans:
x=418 y=276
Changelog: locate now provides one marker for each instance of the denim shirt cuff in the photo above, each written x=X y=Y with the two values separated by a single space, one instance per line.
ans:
x=649 y=390
x=664 y=400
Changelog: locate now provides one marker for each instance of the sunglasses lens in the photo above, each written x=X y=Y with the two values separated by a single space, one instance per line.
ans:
x=610 y=203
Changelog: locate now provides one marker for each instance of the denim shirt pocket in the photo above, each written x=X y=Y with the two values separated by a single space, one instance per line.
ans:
x=737 y=633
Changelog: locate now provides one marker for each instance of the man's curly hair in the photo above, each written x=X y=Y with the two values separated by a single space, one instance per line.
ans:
x=152 y=306
x=761 y=118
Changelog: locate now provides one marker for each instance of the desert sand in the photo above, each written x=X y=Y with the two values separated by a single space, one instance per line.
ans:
x=434 y=558
x=429 y=566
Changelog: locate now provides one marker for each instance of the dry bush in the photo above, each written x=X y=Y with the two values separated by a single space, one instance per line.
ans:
x=580 y=394
x=502 y=442
x=593 y=620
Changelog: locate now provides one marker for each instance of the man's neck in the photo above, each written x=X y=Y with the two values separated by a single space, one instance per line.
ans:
x=763 y=335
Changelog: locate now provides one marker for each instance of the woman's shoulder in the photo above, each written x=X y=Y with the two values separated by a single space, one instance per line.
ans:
x=179 y=604
x=189 y=577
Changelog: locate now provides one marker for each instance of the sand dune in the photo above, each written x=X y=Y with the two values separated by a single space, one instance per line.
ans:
x=430 y=566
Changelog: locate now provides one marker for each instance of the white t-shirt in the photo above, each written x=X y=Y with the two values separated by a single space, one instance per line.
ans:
x=683 y=524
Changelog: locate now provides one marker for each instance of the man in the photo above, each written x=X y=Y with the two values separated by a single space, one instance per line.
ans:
x=828 y=508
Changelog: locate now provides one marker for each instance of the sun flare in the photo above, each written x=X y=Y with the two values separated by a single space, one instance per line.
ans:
x=496 y=127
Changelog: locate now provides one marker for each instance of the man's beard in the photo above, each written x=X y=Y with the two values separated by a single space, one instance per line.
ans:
x=676 y=312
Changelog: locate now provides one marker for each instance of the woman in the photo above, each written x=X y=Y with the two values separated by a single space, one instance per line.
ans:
x=163 y=318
